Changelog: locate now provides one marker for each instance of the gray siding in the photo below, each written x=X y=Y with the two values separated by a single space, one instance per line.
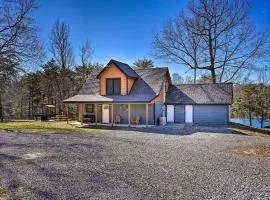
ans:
x=110 y=113
x=151 y=117
x=210 y=114
x=179 y=114
x=158 y=111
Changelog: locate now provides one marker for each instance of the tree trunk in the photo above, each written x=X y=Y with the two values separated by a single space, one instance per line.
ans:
x=29 y=105
x=262 y=119
x=213 y=75
x=32 y=105
x=1 y=110
x=212 y=56
x=250 y=117
x=195 y=75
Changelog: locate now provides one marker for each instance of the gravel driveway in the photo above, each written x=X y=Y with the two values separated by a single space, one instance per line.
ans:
x=121 y=164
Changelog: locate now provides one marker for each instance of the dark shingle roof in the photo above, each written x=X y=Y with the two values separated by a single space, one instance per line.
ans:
x=153 y=77
x=221 y=93
x=146 y=87
x=91 y=86
x=125 y=68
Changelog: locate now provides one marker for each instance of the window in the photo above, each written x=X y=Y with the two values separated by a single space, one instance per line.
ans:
x=89 y=108
x=113 y=86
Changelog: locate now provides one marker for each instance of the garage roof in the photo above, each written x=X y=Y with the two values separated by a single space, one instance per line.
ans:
x=220 y=93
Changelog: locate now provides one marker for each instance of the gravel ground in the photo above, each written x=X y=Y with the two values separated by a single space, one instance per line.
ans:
x=122 y=164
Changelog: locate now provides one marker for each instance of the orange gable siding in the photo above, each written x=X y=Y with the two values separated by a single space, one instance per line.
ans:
x=130 y=83
x=160 y=97
x=166 y=78
x=112 y=72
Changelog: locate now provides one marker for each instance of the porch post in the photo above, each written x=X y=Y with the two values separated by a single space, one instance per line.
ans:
x=80 y=113
x=146 y=118
x=96 y=113
x=67 y=112
x=128 y=115
x=112 y=115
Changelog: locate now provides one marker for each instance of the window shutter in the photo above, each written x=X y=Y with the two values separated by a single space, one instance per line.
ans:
x=109 y=86
x=117 y=86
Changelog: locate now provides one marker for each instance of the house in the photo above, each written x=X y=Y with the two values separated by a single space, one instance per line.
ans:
x=121 y=94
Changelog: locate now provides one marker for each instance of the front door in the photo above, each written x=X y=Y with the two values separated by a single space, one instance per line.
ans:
x=105 y=113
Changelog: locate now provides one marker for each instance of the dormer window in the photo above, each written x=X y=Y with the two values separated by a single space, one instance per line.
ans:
x=113 y=86
x=116 y=78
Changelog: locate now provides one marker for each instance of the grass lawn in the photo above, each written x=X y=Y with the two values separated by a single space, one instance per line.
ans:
x=38 y=126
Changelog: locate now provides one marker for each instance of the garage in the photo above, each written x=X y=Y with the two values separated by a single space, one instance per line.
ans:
x=199 y=103
x=211 y=114
x=179 y=114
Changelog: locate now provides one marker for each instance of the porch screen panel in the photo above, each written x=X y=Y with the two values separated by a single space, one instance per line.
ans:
x=122 y=111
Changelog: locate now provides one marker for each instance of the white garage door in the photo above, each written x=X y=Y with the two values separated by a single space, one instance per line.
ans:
x=170 y=113
x=188 y=113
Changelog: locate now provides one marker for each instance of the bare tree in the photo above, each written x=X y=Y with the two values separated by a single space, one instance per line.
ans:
x=212 y=35
x=62 y=52
x=60 y=45
x=86 y=51
x=264 y=75
x=18 y=39
x=177 y=79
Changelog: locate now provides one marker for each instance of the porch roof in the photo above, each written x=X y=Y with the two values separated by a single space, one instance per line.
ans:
x=107 y=99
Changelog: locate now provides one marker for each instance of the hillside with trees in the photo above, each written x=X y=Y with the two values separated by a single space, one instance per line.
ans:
x=24 y=92
x=214 y=40
x=252 y=101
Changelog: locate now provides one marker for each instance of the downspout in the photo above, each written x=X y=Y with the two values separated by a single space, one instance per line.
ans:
x=164 y=97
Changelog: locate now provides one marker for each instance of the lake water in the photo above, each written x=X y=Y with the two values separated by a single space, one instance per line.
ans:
x=255 y=123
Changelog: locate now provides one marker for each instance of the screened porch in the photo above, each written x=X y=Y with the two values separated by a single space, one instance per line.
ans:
x=118 y=114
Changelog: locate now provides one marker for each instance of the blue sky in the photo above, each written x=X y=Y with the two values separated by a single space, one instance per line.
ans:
x=119 y=29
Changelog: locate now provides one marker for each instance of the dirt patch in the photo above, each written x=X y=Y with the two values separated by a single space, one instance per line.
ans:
x=4 y=195
x=258 y=150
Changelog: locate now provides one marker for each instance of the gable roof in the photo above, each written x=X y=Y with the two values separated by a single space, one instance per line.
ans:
x=153 y=77
x=125 y=68
x=91 y=85
x=146 y=87
x=220 y=93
